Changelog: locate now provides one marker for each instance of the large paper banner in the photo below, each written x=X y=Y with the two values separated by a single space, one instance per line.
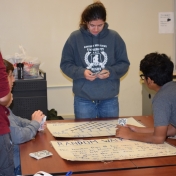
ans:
x=90 y=128
x=110 y=149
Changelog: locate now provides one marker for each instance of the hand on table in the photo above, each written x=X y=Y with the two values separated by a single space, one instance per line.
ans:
x=124 y=131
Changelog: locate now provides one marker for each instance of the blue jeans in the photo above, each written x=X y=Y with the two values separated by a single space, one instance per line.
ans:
x=84 y=108
x=18 y=170
x=6 y=156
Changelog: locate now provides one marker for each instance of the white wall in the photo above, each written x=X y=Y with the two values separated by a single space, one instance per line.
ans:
x=42 y=27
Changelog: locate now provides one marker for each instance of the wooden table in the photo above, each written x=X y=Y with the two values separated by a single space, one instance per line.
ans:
x=56 y=165
x=156 y=171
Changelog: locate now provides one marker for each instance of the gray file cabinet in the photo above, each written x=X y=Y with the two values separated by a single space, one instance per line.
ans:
x=30 y=95
x=147 y=96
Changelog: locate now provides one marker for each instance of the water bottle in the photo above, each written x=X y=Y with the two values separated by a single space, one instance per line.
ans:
x=20 y=70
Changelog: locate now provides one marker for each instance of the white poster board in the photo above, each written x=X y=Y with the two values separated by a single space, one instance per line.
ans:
x=88 y=129
x=110 y=149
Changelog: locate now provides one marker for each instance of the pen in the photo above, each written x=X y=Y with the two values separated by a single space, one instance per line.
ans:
x=68 y=173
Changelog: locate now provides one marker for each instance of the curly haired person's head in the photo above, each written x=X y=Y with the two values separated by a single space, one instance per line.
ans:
x=158 y=67
x=95 y=11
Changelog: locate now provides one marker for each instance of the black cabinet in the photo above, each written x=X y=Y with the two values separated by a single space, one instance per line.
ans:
x=29 y=95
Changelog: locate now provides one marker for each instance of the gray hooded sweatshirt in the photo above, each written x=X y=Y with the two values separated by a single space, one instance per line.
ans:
x=106 y=50
x=21 y=130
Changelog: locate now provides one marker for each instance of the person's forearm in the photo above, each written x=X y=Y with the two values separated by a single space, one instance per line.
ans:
x=146 y=137
x=5 y=100
x=171 y=131
x=23 y=134
x=144 y=129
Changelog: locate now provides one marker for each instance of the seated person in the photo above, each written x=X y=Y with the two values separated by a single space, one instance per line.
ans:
x=22 y=130
x=6 y=146
x=157 y=74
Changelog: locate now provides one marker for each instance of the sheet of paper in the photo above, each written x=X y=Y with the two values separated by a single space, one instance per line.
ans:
x=110 y=149
x=166 y=22
x=88 y=129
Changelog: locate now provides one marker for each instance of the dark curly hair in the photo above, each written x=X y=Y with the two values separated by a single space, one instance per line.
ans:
x=158 y=67
x=92 y=12
x=8 y=65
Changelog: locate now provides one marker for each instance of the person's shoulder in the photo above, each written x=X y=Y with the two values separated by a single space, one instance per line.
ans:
x=75 y=33
x=74 y=36
x=166 y=92
x=116 y=36
x=115 y=33
x=13 y=119
x=10 y=115
x=169 y=87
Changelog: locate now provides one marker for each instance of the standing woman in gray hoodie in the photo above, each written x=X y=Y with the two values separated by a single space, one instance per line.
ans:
x=95 y=57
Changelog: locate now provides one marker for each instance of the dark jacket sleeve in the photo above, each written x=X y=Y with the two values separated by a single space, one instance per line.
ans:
x=68 y=64
x=122 y=63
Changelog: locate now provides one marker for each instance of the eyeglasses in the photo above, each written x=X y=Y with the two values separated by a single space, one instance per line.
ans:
x=142 y=76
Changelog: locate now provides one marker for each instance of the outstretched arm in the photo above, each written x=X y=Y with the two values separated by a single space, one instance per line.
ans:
x=171 y=131
x=155 y=135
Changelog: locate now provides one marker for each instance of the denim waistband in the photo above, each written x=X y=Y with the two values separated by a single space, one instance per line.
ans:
x=96 y=101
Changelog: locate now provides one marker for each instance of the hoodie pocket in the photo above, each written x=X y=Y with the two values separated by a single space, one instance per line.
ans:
x=100 y=89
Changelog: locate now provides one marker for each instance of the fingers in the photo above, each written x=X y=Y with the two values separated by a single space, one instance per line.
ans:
x=122 y=131
x=38 y=116
x=119 y=126
x=38 y=113
x=103 y=74
x=117 y=133
x=92 y=76
x=89 y=75
x=118 y=130
x=44 y=126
